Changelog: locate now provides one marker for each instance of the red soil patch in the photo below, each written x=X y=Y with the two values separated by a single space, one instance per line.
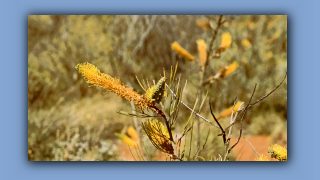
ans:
x=245 y=152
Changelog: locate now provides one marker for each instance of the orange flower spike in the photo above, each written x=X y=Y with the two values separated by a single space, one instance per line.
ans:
x=128 y=141
x=133 y=134
x=203 y=24
x=181 y=51
x=232 y=67
x=246 y=43
x=202 y=48
x=227 y=112
x=94 y=77
x=226 y=40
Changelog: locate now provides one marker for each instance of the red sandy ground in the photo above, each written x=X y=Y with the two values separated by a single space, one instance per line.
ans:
x=243 y=150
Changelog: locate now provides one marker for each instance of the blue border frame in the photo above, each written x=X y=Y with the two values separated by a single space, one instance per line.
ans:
x=303 y=73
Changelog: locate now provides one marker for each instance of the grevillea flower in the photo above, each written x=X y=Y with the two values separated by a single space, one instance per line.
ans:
x=133 y=134
x=227 y=112
x=202 y=48
x=278 y=152
x=226 y=70
x=226 y=41
x=158 y=135
x=128 y=141
x=181 y=51
x=94 y=77
x=262 y=158
x=232 y=67
x=157 y=92
x=203 y=24
x=246 y=43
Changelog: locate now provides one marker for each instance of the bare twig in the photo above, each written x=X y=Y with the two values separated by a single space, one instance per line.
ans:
x=223 y=133
x=251 y=147
x=270 y=92
x=191 y=109
x=213 y=38
x=233 y=117
x=257 y=102
x=243 y=114
x=144 y=35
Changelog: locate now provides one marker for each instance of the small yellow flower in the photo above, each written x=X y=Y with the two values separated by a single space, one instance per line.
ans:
x=203 y=24
x=246 y=43
x=202 y=48
x=158 y=135
x=133 y=134
x=181 y=51
x=278 y=152
x=262 y=158
x=128 y=141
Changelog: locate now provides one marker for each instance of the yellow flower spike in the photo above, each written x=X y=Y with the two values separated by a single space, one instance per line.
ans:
x=128 y=141
x=181 y=51
x=246 y=43
x=262 y=158
x=226 y=70
x=227 y=112
x=232 y=67
x=158 y=135
x=133 y=134
x=226 y=40
x=202 y=48
x=203 y=24
x=278 y=152
x=94 y=77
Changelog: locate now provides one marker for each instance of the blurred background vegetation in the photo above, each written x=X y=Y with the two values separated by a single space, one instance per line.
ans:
x=68 y=120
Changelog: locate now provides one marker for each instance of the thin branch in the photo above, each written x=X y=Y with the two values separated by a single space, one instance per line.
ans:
x=257 y=102
x=144 y=35
x=270 y=92
x=232 y=118
x=167 y=123
x=223 y=133
x=251 y=147
x=213 y=39
x=243 y=114
x=191 y=109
